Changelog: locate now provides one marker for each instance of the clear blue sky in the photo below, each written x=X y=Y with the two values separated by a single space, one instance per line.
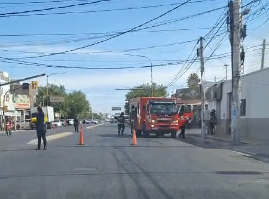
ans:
x=99 y=85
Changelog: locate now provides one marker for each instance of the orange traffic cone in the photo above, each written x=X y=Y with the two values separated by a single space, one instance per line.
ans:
x=134 y=141
x=81 y=141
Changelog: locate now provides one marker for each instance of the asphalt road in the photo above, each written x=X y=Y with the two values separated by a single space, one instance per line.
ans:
x=108 y=167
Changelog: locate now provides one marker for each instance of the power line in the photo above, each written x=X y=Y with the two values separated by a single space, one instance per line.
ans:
x=117 y=35
x=97 y=11
x=53 y=8
x=37 y=2
x=176 y=62
x=97 y=33
x=114 y=33
x=178 y=75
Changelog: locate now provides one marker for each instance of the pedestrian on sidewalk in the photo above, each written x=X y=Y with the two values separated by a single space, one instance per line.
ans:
x=41 y=128
x=76 y=123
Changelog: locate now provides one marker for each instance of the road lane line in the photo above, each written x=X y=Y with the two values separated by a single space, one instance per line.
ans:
x=91 y=127
x=52 y=137
x=241 y=153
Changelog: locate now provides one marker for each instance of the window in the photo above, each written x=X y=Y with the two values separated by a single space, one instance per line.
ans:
x=243 y=105
x=160 y=108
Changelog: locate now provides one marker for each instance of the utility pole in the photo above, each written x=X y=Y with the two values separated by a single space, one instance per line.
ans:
x=235 y=15
x=202 y=61
x=47 y=96
x=263 y=53
x=226 y=70
x=151 y=78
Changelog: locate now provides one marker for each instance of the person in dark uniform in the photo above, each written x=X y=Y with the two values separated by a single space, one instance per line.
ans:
x=76 y=123
x=41 y=128
x=121 y=124
x=212 y=121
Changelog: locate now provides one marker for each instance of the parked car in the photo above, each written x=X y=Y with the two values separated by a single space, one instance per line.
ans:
x=91 y=121
x=70 y=121
x=94 y=121
x=57 y=123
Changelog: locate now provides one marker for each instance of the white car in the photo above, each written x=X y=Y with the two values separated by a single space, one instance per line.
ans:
x=57 y=123
x=94 y=121
x=71 y=121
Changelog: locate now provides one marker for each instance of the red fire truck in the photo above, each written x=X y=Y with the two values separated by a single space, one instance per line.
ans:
x=154 y=115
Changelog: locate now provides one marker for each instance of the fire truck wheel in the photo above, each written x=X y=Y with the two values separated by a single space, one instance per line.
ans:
x=173 y=134
x=146 y=134
x=138 y=133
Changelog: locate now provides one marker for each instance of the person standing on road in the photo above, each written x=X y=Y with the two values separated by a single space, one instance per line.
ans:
x=41 y=128
x=121 y=125
x=183 y=128
x=76 y=123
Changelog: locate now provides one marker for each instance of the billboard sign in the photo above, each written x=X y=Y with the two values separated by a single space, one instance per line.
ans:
x=21 y=101
x=116 y=108
x=56 y=99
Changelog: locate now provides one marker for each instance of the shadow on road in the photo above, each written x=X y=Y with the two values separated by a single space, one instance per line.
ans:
x=206 y=144
x=115 y=135
x=17 y=150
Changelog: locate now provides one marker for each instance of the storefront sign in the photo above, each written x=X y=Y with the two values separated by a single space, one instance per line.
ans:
x=22 y=101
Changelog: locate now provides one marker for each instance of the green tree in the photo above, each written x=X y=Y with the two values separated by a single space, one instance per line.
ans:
x=144 y=90
x=76 y=103
x=97 y=116
x=53 y=90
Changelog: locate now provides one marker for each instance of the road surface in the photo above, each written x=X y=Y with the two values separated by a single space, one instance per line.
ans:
x=108 y=167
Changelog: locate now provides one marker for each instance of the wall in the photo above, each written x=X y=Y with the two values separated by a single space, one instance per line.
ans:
x=254 y=124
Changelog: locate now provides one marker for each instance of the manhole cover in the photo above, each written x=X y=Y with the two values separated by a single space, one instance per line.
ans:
x=239 y=172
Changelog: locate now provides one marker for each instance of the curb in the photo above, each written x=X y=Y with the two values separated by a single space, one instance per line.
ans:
x=223 y=139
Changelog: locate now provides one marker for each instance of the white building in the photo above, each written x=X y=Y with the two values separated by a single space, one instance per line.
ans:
x=254 y=110
x=9 y=100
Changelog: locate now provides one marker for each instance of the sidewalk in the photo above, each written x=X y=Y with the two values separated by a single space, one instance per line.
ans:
x=259 y=151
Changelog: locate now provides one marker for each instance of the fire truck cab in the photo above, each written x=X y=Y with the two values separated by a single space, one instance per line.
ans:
x=154 y=115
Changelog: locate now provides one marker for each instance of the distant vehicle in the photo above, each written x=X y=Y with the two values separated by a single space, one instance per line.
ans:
x=95 y=122
x=107 y=120
x=90 y=121
x=57 y=123
x=70 y=121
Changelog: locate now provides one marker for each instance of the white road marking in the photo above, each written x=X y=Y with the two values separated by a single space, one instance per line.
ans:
x=241 y=153
x=91 y=127
x=52 y=137
x=84 y=169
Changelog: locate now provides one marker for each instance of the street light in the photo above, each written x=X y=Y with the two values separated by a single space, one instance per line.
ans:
x=151 y=65
x=48 y=75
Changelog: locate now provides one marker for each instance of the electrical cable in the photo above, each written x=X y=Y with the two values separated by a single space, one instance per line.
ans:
x=117 y=35
x=53 y=8
x=98 y=11
x=178 y=75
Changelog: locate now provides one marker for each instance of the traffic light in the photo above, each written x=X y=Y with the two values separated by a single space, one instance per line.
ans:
x=25 y=86
x=5 y=108
x=34 y=85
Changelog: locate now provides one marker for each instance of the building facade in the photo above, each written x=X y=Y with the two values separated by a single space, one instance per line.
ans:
x=254 y=111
